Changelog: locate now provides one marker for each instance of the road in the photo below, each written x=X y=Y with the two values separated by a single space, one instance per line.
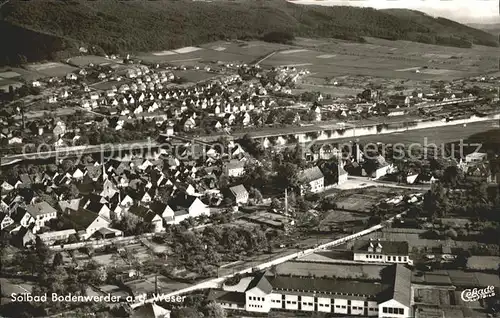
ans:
x=355 y=182
x=265 y=57
x=215 y=282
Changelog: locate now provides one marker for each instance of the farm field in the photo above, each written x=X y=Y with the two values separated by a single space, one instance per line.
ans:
x=363 y=202
x=457 y=278
x=337 y=216
x=438 y=297
x=242 y=52
x=20 y=73
x=335 y=91
x=51 y=69
x=483 y=262
x=194 y=76
x=391 y=59
x=82 y=61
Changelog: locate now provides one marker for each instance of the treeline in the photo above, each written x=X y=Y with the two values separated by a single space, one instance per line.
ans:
x=37 y=30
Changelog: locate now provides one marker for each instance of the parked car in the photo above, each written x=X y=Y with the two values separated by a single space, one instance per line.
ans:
x=448 y=257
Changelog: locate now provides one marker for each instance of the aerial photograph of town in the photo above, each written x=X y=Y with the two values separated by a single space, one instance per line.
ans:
x=250 y=158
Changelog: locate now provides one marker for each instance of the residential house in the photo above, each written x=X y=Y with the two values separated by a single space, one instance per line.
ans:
x=5 y=220
x=41 y=213
x=189 y=124
x=312 y=179
x=476 y=157
x=238 y=194
x=478 y=172
x=316 y=110
x=234 y=168
x=376 y=169
x=190 y=204
x=59 y=129
x=147 y=216
x=23 y=237
x=86 y=223
x=163 y=210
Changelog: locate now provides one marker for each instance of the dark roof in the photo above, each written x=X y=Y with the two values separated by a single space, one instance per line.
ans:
x=402 y=285
x=40 y=208
x=94 y=171
x=18 y=214
x=157 y=207
x=328 y=285
x=180 y=212
x=226 y=296
x=310 y=174
x=262 y=283
x=82 y=218
x=139 y=211
x=388 y=247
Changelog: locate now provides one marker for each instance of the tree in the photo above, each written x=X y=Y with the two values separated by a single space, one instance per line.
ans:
x=67 y=164
x=58 y=260
x=186 y=312
x=287 y=176
x=452 y=234
x=462 y=258
x=256 y=195
x=275 y=204
x=42 y=252
x=214 y=310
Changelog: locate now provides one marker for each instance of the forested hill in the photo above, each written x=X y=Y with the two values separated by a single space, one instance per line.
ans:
x=42 y=29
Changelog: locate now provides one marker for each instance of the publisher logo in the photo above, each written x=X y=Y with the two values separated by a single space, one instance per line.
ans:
x=475 y=294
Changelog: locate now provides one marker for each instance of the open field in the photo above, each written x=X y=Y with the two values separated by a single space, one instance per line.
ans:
x=439 y=297
x=363 y=202
x=458 y=278
x=237 y=52
x=82 y=61
x=392 y=59
x=194 y=76
x=51 y=69
x=335 y=91
x=25 y=74
x=483 y=262
x=9 y=75
x=337 y=216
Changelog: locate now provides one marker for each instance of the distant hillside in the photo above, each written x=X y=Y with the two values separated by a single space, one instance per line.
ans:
x=493 y=28
x=46 y=29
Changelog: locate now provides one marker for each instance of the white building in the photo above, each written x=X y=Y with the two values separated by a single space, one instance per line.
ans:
x=376 y=251
x=475 y=157
x=341 y=297
x=313 y=180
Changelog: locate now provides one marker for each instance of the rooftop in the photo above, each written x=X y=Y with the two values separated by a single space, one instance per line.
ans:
x=388 y=247
x=328 y=285
x=40 y=208
x=310 y=174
